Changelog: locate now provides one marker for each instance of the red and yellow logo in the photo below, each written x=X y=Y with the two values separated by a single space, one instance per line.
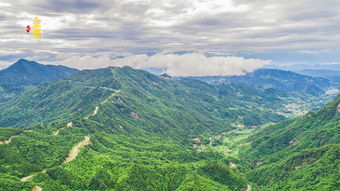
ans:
x=36 y=28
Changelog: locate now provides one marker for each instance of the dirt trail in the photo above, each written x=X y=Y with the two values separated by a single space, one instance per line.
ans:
x=57 y=131
x=104 y=88
x=72 y=155
x=36 y=188
x=232 y=165
x=75 y=150
x=25 y=179
x=6 y=142
x=95 y=111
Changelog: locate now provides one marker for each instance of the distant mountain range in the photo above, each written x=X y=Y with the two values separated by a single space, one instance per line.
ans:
x=286 y=81
x=25 y=74
x=299 y=67
x=320 y=73
x=332 y=75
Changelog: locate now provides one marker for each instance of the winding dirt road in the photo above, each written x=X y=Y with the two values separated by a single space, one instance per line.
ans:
x=57 y=131
x=72 y=155
x=36 y=188
x=6 y=142
x=75 y=150
x=95 y=111
x=25 y=179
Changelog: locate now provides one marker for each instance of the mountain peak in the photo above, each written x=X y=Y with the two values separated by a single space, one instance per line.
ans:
x=22 y=64
x=24 y=61
x=165 y=75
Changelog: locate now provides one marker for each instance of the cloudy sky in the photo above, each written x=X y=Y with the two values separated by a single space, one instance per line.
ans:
x=191 y=37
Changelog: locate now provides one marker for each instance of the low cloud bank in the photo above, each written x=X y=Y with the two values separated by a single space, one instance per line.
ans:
x=192 y=64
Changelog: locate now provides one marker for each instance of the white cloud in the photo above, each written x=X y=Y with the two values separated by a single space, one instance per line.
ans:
x=191 y=64
x=330 y=63
x=84 y=27
x=2 y=4
x=4 y=64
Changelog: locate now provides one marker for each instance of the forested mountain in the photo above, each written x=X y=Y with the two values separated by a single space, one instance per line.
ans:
x=138 y=128
x=150 y=95
x=298 y=154
x=126 y=129
x=24 y=74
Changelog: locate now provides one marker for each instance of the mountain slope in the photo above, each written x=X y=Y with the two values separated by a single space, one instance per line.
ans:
x=24 y=74
x=142 y=93
x=139 y=127
x=126 y=129
x=298 y=154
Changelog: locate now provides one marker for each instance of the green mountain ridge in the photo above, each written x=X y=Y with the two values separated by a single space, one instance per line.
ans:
x=79 y=93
